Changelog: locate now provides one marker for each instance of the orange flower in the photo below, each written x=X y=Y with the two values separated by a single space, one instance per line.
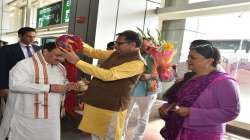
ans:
x=167 y=46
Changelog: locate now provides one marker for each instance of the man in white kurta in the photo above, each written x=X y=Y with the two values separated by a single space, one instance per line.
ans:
x=37 y=86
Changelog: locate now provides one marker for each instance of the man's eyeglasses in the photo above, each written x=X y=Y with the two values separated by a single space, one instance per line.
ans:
x=120 y=43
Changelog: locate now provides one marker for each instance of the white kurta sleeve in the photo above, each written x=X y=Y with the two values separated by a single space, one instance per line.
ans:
x=21 y=79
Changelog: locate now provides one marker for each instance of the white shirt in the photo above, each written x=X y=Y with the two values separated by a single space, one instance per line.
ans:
x=19 y=113
x=24 y=49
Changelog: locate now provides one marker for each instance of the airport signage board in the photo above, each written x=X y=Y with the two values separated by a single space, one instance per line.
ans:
x=49 y=15
x=66 y=11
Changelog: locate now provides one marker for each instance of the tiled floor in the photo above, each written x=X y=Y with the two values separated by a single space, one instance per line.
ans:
x=69 y=131
x=151 y=133
x=234 y=137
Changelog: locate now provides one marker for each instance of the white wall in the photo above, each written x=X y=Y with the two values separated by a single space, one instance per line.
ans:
x=130 y=15
x=105 y=28
x=5 y=18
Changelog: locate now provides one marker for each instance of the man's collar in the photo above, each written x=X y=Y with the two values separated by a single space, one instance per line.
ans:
x=24 y=45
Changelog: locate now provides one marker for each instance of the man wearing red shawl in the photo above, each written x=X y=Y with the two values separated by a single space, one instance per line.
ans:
x=37 y=86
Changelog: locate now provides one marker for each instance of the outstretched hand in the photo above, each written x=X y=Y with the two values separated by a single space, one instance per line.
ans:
x=73 y=86
x=70 y=55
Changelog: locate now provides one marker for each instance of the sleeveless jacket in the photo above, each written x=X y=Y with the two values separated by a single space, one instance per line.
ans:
x=112 y=95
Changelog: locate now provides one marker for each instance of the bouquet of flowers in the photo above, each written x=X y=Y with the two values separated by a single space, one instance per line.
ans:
x=162 y=53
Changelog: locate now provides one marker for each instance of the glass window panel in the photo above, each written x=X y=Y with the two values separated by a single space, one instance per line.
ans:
x=230 y=34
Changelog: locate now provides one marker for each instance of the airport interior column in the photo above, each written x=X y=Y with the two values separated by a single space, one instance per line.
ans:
x=173 y=30
x=28 y=13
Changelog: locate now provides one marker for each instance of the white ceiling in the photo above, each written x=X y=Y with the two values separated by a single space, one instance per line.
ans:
x=203 y=8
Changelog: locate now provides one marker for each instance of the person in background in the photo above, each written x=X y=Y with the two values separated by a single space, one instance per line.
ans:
x=199 y=105
x=35 y=43
x=11 y=54
x=108 y=95
x=144 y=94
x=37 y=86
x=3 y=43
x=111 y=45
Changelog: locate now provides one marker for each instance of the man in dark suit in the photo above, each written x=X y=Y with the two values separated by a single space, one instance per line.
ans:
x=11 y=54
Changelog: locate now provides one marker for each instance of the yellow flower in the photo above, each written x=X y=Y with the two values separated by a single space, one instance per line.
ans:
x=168 y=46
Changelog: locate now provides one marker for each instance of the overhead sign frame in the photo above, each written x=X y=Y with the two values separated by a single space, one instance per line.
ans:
x=49 y=15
